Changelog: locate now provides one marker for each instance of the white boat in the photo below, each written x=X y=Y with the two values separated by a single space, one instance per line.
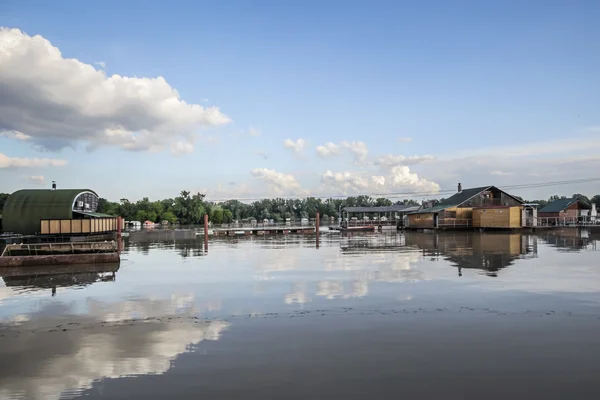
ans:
x=210 y=232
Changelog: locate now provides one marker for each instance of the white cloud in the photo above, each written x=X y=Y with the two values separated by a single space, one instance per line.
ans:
x=397 y=179
x=394 y=160
x=59 y=101
x=254 y=132
x=179 y=148
x=500 y=173
x=7 y=162
x=101 y=64
x=15 y=135
x=405 y=140
x=280 y=183
x=295 y=145
x=358 y=149
x=329 y=149
x=38 y=179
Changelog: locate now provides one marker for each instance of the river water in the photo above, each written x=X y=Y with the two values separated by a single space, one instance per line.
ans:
x=408 y=315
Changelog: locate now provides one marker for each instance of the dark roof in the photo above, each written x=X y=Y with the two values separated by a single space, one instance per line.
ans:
x=453 y=200
x=392 y=208
x=24 y=209
x=558 y=205
x=459 y=198
x=462 y=196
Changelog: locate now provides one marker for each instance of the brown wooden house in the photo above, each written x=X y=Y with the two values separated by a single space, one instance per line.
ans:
x=484 y=207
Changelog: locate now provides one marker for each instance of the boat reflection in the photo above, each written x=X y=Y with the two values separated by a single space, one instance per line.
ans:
x=51 y=277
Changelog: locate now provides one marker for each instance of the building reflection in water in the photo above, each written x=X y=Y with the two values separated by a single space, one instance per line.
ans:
x=570 y=239
x=488 y=252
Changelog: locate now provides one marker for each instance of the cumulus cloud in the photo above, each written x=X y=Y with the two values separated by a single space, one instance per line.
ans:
x=100 y=64
x=58 y=101
x=405 y=140
x=7 y=162
x=37 y=179
x=397 y=179
x=391 y=160
x=329 y=149
x=280 y=183
x=358 y=149
x=295 y=145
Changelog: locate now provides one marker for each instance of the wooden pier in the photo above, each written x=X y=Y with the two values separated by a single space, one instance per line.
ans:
x=262 y=229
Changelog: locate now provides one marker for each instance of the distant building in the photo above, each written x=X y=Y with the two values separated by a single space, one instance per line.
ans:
x=50 y=211
x=564 y=208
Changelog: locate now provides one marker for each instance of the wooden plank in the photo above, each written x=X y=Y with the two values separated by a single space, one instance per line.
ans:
x=86 y=226
x=76 y=226
x=65 y=226
x=44 y=227
x=54 y=226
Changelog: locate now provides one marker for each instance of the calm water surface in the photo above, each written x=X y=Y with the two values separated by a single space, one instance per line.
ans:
x=407 y=315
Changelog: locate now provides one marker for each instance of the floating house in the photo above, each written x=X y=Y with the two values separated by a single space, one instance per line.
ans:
x=565 y=211
x=481 y=207
x=55 y=212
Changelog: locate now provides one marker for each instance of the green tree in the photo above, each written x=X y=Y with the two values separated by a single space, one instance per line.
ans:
x=216 y=215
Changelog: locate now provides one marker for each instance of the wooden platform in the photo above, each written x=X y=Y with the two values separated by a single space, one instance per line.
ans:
x=24 y=255
x=263 y=230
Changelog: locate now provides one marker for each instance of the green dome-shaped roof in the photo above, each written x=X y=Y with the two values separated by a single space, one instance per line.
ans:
x=24 y=209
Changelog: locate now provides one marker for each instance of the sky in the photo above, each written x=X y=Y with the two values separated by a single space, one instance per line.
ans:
x=253 y=99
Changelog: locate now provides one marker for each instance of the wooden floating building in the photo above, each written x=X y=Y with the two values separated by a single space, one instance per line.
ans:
x=54 y=212
x=481 y=207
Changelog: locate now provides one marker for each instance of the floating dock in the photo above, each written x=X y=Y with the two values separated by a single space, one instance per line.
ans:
x=25 y=255
x=262 y=230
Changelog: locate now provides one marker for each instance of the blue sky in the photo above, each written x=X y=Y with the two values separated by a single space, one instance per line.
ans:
x=413 y=96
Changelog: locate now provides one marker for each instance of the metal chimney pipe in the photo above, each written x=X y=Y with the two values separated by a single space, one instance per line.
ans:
x=459 y=187
x=53 y=185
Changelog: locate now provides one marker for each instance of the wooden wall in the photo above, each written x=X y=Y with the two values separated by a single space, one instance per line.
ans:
x=420 y=221
x=77 y=226
x=497 y=217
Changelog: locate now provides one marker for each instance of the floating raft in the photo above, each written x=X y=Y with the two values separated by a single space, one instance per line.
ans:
x=24 y=255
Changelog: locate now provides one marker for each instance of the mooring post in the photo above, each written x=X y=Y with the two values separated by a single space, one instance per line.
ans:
x=205 y=232
x=119 y=222
x=317 y=223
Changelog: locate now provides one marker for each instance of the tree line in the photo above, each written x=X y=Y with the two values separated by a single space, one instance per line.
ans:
x=189 y=209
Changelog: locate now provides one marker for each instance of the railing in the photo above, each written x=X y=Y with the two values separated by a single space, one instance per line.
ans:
x=568 y=221
x=58 y=248
x=264 y=225
x=454 y=223
x=362 y=222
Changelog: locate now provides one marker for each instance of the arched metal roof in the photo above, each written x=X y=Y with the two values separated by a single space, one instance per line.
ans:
x=24 y=209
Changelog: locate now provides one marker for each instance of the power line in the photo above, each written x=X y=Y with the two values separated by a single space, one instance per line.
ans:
x=420 y=194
